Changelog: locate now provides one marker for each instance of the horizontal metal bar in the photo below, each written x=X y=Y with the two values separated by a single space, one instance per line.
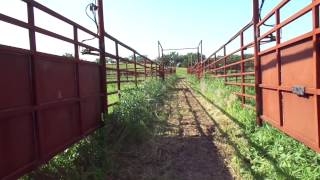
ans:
x=308 y=90
x=235 y=74
x=113 y=104
x=58 y=16
x=290 y=42
x=127 y=47
x=233 y=38
x=233 y=64
x=290 y=19
x=239 y=84
x=245 y=95
x=112 y=93
x=179 y=49
x=272 y=12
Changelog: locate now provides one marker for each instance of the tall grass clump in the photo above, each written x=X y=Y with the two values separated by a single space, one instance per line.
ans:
x=263 y=152
x=137 y=116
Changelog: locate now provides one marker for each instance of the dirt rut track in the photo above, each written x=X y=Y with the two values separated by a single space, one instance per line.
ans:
x=191 y=148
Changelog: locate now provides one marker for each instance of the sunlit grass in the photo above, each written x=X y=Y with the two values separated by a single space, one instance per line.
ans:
x=264 y=152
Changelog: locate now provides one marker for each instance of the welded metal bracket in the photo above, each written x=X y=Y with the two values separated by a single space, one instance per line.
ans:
x=298 y=90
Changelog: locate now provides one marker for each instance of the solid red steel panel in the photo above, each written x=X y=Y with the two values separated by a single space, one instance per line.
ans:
x=58 y=127
x=298 y=112
x=56 y=78
x=17 y=143
x=299 y=120
x=271 y=106
x=14 y=80
x=269 y=69
x=297 y=64
x=89 y=78
x=90 y=113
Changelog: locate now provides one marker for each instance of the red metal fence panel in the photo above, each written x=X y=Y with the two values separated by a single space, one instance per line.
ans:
x=49 y=102
x=289 y=76
x=285 y=73
x=32 y=133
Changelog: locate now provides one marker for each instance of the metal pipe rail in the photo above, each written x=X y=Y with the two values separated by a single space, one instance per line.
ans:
x=55 y=101
x=285 y=75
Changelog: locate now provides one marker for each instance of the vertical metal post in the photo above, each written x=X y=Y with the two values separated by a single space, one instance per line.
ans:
x=161 y=66
x=164 y=72
x=135 y=68
x=160 y=72
x=197 y=64
x=118 y=69
x=127 y=73
x=315 y=38
x=202 y=63
x=225 y=63
x=34 y=94
x=214 y=64
x=103 y=74
x=76 y=55
x=151 y=68
x=156 y=71
x=257 y=64
x=76 y=46
x=243 y=89
x=278 y=66
x=145 y=69
x=158 y=49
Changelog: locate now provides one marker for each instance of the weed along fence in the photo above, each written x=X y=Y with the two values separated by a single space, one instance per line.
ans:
x=48 y=102
x=234 y=64
x=275 y=65
x=124 y=73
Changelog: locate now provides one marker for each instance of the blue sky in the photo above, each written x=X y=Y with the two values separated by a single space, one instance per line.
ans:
x=141 y=23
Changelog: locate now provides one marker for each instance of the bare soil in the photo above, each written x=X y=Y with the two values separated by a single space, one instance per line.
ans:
x=190 y=148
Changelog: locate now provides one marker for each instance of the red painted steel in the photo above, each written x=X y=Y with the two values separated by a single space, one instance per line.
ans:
x=278 y=72
x=49 y=102
x=223 y=66
x=285 y=66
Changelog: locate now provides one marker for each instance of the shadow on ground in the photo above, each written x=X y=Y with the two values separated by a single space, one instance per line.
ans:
x=258 y=149
x=185 y=150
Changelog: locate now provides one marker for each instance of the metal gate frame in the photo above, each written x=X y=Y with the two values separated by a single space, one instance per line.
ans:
x=50 y=102
x=291 y=106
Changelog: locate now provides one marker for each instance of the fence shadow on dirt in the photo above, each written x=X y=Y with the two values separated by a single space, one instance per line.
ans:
x=261 y=152
x=184 y=152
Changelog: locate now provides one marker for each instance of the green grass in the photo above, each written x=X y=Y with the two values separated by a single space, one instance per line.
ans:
x=134 y=120
x=181 y=72
x=262 y=153
x=123 y=86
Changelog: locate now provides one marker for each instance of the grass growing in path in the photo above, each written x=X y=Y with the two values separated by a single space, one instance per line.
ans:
x=261 y=152
x=134 y=120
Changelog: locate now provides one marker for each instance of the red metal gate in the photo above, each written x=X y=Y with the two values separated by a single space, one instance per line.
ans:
x=289 y=78
x=49 y=102
x=286 y=70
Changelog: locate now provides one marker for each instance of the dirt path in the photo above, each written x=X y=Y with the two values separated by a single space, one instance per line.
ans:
x=189 y=149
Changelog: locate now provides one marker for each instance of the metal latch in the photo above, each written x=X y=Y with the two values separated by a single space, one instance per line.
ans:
x=298 y=90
